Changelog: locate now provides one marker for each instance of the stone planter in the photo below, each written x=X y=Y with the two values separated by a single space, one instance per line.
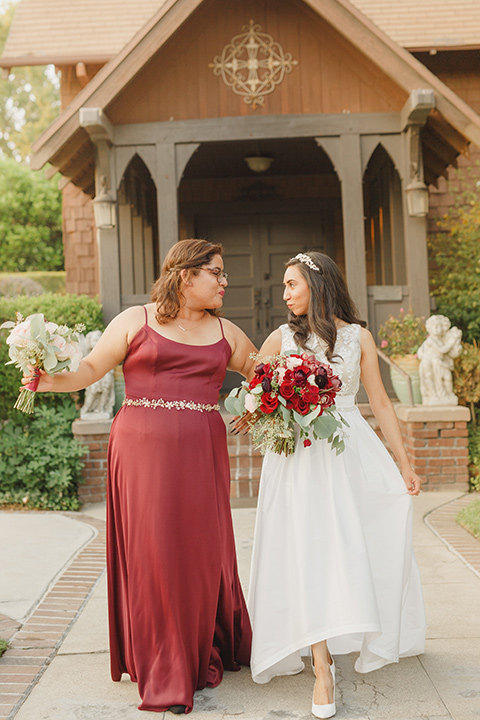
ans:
x=410 y=364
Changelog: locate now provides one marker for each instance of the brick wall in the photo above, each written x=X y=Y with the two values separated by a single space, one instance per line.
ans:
x=93 y=434
x=436 y=440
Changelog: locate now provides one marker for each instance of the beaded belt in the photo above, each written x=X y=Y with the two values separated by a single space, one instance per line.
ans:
x=170 y=404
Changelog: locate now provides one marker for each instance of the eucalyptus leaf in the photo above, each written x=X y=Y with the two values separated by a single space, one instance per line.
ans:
x=231 y=404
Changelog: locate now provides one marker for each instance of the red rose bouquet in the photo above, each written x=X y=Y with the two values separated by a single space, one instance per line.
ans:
x=289 y=396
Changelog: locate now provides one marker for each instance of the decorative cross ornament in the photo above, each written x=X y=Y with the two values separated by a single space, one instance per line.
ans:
x=253 y=64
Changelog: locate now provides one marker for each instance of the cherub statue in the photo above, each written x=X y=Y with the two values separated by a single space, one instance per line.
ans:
x=436 y=355
x=99 y=397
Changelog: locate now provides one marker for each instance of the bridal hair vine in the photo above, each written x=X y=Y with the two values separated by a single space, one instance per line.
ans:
x=307 y=260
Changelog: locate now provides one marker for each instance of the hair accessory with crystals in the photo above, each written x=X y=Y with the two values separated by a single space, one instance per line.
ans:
x=307 y=260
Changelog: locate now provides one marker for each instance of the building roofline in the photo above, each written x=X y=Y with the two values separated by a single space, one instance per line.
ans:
x=396 y=62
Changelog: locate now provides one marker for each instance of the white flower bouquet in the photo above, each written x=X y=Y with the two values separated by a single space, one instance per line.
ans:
x=35 y=343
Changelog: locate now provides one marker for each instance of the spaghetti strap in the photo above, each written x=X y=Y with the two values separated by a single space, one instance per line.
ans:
x=223 y=334
x=146 y=314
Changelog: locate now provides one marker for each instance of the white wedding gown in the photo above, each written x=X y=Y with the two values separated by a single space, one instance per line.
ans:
x=332 y=556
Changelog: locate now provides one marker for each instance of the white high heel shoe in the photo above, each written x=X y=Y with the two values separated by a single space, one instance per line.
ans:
x=329 y=710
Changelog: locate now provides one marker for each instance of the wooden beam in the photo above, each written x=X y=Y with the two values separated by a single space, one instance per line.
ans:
x=268 y=126
x=449 y=133
x=167 y=204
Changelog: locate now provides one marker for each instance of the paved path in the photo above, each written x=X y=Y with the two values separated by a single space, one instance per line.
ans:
x=57 y=668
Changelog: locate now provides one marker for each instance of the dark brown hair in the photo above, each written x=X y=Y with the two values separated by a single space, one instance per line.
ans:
x=329 y=299
x=167 y=290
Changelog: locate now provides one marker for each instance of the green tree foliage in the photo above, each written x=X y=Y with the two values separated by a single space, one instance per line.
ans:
x=30 y=220
x=455 y=284
x=29 y=99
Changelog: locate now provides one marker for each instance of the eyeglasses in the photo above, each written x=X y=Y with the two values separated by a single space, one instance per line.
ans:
x=219 y=274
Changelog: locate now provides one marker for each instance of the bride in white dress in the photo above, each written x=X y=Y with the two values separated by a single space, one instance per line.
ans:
x=332 y=558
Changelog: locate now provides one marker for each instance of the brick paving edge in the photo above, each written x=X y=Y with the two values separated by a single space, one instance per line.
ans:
x=441 y=521
x=19 y=654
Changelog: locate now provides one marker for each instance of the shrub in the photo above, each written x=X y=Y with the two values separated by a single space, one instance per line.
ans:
x=61 y=309
x=402 y=335
x=49 y=282
x=466 y=377
x=12 y=286
x=40 y=461
x=3 y=646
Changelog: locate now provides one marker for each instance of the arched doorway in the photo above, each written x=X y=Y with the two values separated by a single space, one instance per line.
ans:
x=262 y=219
x=138 y=234
x=384 y=239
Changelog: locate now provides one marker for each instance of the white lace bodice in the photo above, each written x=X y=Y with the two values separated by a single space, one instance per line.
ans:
x=347 y=347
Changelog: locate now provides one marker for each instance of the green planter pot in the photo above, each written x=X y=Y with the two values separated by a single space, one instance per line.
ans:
x=410 y=364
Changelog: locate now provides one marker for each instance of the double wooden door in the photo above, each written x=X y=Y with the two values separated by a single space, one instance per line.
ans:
x=257 y=245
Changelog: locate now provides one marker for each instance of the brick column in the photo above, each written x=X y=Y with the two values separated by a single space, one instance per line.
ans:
x=436 y=440
x=94 y=434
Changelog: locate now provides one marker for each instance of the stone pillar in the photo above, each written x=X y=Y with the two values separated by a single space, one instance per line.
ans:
x=94 y=434
x=436 y=440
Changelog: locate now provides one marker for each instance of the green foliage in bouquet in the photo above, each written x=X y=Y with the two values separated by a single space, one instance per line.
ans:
x=40 y=461
x=61 y=309
x=455 y=257
x=402 y=335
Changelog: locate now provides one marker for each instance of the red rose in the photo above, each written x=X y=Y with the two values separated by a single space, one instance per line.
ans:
x=312 y=394
x=307 y=442
x=254 y=382
x=302 y=406
x=286 y=390
x=269 y=403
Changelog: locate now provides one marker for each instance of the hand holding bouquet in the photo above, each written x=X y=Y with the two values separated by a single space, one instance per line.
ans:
x=35 y=343
x=289 y=394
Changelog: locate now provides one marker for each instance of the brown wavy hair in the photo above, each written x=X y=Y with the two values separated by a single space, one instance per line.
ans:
x=329 y=299
x=167 y=289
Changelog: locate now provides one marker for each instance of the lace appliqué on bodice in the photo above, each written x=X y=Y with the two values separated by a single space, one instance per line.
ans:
x=347 y=347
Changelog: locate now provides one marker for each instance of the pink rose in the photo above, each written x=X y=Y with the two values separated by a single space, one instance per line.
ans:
x=250 y=403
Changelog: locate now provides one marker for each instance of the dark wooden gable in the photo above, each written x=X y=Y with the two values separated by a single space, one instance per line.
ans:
x=332 y=76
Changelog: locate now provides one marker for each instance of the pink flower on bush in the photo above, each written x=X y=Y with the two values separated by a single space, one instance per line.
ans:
x=384 y=344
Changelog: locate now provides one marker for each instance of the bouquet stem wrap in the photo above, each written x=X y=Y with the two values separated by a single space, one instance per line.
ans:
x=26 y=399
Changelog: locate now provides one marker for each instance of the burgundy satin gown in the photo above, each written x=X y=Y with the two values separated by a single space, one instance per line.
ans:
x=177 y=615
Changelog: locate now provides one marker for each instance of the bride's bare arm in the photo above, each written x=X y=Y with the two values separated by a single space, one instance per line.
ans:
x=107 y=353
x=383 y=410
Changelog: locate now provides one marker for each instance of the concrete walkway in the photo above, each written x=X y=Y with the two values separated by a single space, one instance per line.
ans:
x=74 y=682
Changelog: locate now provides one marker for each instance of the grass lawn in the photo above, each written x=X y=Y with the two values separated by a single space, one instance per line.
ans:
x=469 y=518
x=3 y=646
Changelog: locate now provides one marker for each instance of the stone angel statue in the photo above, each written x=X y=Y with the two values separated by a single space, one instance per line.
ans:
x=99 y=397
x=436 y=355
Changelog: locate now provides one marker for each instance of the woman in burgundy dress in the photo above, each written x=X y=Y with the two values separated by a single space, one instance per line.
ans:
x=177 y=615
